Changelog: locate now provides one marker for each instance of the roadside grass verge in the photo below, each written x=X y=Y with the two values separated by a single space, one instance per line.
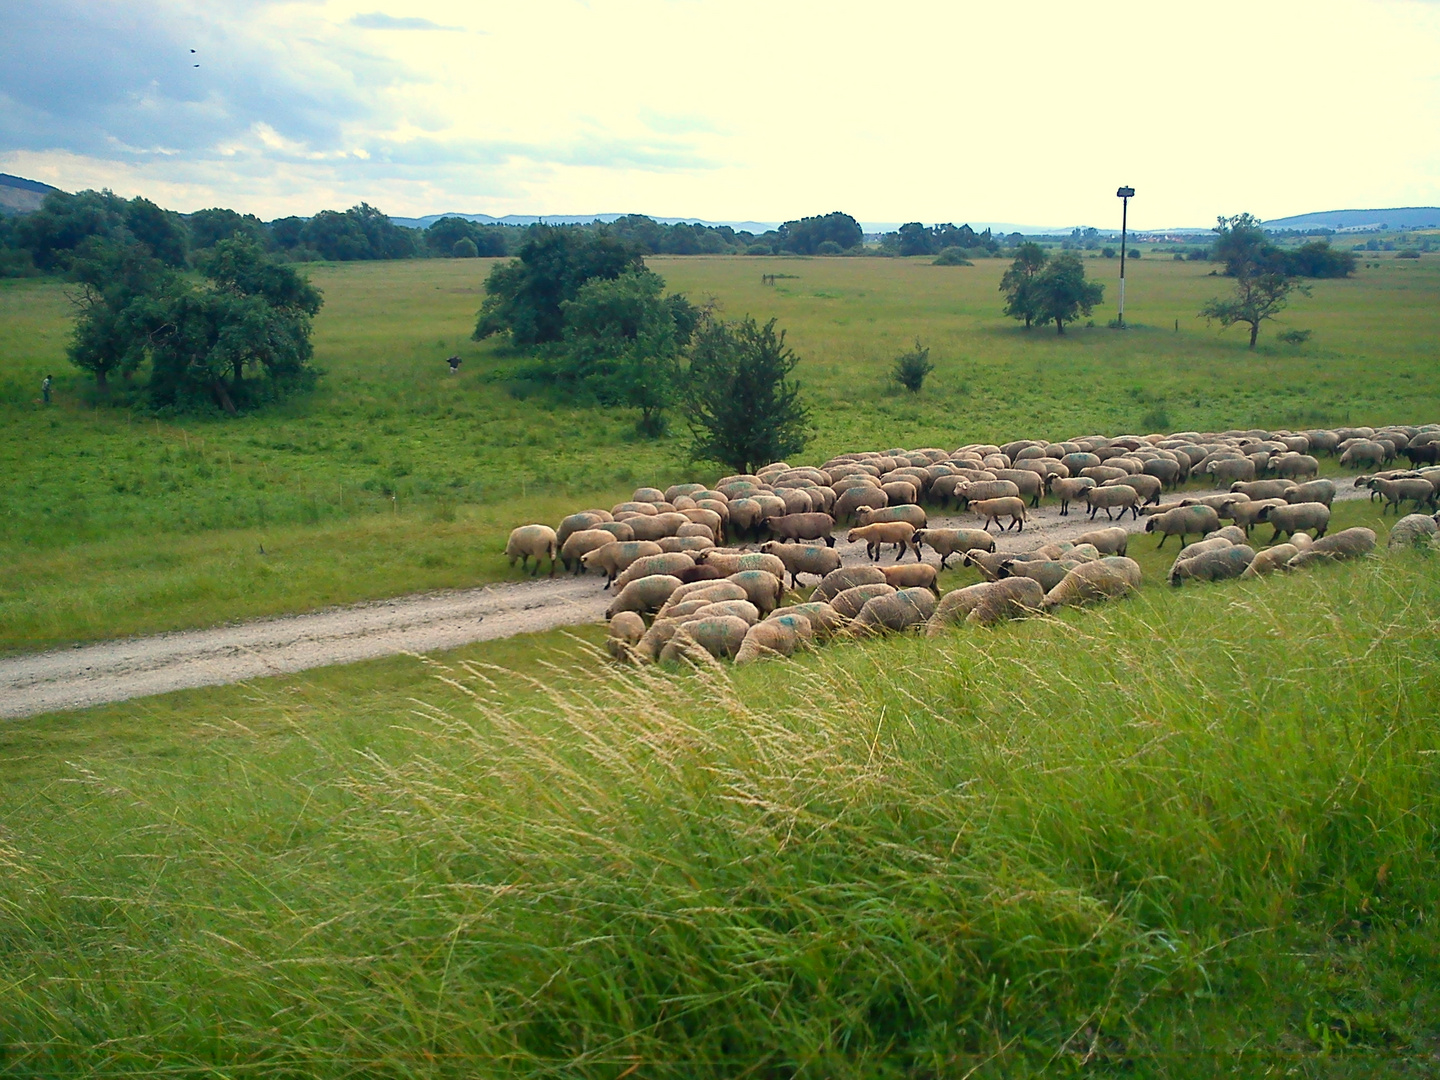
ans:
x=1187 y=834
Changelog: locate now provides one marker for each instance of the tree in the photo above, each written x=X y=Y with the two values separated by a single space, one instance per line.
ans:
x=744 y=411
x=1018 y=283
x=912 y=367
x=209 y=227
x=112 y=321
x=804 y=236
x=1318 y=259
x=915 y=239
x=524 y=296
x=1061 y=292
x=1260 y=294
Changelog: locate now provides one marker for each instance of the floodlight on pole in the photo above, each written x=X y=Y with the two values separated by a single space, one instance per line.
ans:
x=1124 y=194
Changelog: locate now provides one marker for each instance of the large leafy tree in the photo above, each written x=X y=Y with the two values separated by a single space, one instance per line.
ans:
x=1018 y=282
x=1264 y=277
x=64 y=222
x=209 y=227
x=524 y=296
x=744 y=410
x=804 y=237
x=1061 y=292
x=114 y=312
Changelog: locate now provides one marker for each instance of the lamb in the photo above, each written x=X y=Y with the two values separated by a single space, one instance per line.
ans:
x=812 y=526
x=914 y=576
x=825 y=621
x=1230 y=561
x=579 y=544
x=667 y=562
x=836 y=582
x=1417 y=489
x=1292 y=518
x=1413 y=530
x=1321 y=491
x=626 y=630
x=1270 y=559
x=1181 y=522
x=616 y=557
x=881 y=533
x=1069 y=489
x=848 y=603
x=1012 y=507
x=769 y=638
x=703 y=639
x=532 y=541
x=814 y=559
x=1104 y=580
x=915 y=515
x=947 y=542
x=645 y=595
x=762 y=588
x=896 y=612
x=1120 y=496
x=1346 y=544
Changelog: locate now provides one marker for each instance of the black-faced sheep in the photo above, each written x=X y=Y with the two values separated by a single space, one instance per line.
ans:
x=644 y=595
x=810 y=526
x=1181 y=522
x=1417 y=489
x=1290 y=518
x=762 y=588
x=773 y=637
x=988 y=603
x=701 y=640
x=1321 y=491
x=1104 y=580
x=898 y=533
x=1268 y=560
x=848 y=603
x=614 y=558
x=980 y=490
x=732 y=562
x=803 y=559
x=532 y=542
x=1219 y=564
x=847 y=577
x=825 y=621
x=1120 y=497
x=947 y=542
x=1347 y=544
x=1363 y=454
x=1147 y=487
x=913 y=576
x=909 y=512
x=579 y=544
x=1413 y=530
x=902 y=610
x=1067 y=490
x=1012 y=507
x=667 y=562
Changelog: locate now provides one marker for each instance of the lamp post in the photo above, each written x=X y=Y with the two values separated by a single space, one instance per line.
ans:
x=1124 y=194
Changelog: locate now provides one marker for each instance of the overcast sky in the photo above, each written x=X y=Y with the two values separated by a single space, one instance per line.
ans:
x=1027 y=112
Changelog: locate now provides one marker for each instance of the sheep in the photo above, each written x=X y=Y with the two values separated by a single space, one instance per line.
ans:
x=1166 y=471
x=1181 y=522
x=644 y=508
x=658 y=526
x=825 y=621
x=618 y=529
x=915 y=515
x=696 y=529
x=1147 y=487
x=741 y=609
x=1321 y=491
x=709 y=591
x=746 y=516
x=1230 y=561
x=769 y=638
x=675 y=491
x=858 y=498
x=732 y=562
x=585 y=519
x=896 y=612
x=1232 y=469
x=994 y=509
x=691 y=545
x=1363 y=453
x=847 y=577
x=900 y=491
x=532 y=541
x=578 y=544
x=980 y=490
x=1218 y=503
x=1048 y=572
x=1292 y=518
x=1112 y=541
x=1104 y=580
x=814 y=559
x=1120 y=496
x=699 y=573
x=988 y=563
x=1294 y=465
x=1346 y=544
x=1232 y=533
x=645 y=595
x=881 y=533
x=626 y=630
x=617 y=557
x=914 y=576
x=1069 y=489
x=1031 y=484
x=1268 y=560
x=1413 y=530
x=1245 y=515
x=987 y=603
x=1264 y=489
x=811 y=526
x=1417 y=489
x=703 y=639
x=848 y=603
x=1101 y=473
x=762 y=588
x=947 y=542
x=1200 y=547
x=667 y=562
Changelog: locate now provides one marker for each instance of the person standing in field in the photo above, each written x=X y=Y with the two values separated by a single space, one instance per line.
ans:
x=45 y=389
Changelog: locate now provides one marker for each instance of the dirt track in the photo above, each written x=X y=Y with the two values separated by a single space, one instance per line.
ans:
x=88 y=675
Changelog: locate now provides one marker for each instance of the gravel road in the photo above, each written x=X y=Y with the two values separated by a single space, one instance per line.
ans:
x=87 y=675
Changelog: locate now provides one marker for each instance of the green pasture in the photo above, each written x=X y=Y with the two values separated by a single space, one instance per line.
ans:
x=1188 y=834
x=395 y=477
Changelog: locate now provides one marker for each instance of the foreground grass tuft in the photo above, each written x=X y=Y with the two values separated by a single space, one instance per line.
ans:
x=1190 y=833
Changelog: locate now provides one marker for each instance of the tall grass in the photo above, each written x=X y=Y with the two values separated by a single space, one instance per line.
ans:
x=1188 y=833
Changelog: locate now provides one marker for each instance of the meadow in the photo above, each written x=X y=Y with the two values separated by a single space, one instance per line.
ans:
x=394 y=476
x=1186 y=835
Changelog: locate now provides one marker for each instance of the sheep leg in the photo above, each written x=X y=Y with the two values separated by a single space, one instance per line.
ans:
x=1064 y=509
x=1163 y=537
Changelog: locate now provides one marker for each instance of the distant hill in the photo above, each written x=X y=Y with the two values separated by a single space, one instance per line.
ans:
x=1396 y=217
x=21 y=196
x=574 y=219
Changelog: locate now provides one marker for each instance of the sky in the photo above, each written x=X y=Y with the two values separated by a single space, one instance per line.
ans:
x=1028 y=111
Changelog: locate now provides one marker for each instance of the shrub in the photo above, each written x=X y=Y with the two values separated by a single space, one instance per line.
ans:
x=829 y=247
x=1108 y=253
x=1408 y=255
x=1295 y=337
x=912 y=367
x=464 y=248
x=952 y=256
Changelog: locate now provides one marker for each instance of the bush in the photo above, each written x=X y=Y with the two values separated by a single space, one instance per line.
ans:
x=912 y=367
x=1108 y=253
x=759 y=249
x=952 y=256
x=1408 y=255
x=464 y=248
x=1295 y=337
x=829 y=247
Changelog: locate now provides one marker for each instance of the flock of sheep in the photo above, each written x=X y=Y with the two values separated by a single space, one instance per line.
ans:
x=660 y=550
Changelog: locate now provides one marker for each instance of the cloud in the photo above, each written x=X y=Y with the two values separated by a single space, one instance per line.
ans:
x=378 y=20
